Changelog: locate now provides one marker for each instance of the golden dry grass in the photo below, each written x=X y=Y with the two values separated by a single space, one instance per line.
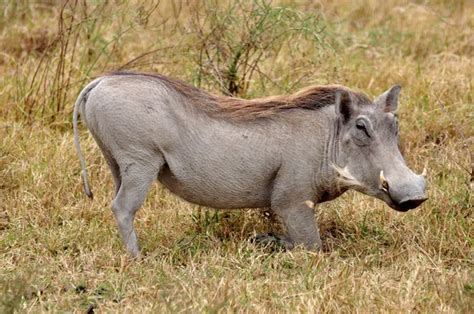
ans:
x=61 y=252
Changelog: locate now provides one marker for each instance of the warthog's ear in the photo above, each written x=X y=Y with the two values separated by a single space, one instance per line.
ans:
x=388 y=101
x=343 y=104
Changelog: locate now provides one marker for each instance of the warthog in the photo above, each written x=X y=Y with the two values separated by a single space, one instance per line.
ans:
x=283 y=152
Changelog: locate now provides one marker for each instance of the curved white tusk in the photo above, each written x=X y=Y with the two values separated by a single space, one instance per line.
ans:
x=309 y=203
x=424 y=172
x=383 y=181
x=382 y=177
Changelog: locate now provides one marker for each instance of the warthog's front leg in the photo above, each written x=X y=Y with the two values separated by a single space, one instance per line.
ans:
x=300 y=225
x=298 y=218
x=291 y=191
x=289 y=202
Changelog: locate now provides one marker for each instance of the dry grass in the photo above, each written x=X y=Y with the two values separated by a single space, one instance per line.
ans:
x=61 y=252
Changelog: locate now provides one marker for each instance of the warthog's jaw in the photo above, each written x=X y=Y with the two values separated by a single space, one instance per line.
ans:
x=411 y=195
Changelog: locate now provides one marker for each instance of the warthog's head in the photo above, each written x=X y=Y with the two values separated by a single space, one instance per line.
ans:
x=368 y=159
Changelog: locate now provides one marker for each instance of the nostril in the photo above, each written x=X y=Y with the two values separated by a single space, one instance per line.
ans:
x=411 y=203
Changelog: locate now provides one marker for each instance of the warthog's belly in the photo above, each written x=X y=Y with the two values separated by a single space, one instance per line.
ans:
x=217 y=189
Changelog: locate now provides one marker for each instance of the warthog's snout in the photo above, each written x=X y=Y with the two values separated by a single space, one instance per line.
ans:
x=407 y=192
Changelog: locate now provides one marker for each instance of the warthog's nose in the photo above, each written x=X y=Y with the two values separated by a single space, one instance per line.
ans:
x=411 y=203
x=406 y=190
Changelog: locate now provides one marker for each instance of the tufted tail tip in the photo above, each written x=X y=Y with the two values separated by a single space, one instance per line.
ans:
x=87 y=189
x=90 y=194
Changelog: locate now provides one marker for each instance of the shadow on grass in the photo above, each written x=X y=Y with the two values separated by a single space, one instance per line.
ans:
x=212 y=230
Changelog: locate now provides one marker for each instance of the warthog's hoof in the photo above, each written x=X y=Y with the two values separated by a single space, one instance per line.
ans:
x=273 y=241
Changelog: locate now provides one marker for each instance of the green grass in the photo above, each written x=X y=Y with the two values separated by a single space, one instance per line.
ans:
x=60 y=252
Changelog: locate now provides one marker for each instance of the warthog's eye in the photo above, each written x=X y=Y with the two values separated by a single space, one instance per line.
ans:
x=361 y=125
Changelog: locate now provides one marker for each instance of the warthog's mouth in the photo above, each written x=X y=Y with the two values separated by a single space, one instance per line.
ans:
x=408 y=204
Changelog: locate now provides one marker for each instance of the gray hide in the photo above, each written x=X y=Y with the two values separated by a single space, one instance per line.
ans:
x=147 y=129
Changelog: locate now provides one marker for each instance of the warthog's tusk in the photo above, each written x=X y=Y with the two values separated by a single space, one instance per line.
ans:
x=309 y=203
x=383 y=181
x=424 y=172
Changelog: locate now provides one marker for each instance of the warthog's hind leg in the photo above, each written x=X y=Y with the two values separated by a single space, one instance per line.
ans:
x=113 y=165
x=136 y=180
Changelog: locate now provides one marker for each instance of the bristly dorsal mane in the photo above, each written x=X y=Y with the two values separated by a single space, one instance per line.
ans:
x=310 y=98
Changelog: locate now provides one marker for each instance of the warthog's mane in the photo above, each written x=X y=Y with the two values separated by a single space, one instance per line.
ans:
x=310 y=98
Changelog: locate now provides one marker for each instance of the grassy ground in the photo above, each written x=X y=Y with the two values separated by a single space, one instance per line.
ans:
x=60 y=251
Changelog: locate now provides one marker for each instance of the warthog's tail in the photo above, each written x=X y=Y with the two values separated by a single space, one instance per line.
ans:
x=80 y=101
